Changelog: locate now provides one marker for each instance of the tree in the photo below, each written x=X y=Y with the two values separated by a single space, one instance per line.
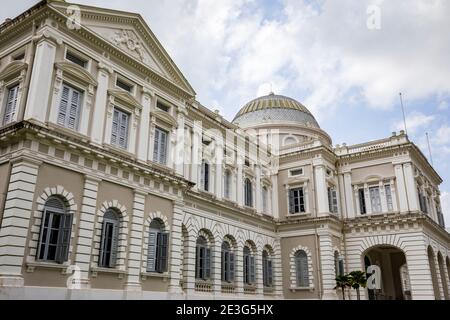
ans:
x=342 y=282
x=357 y=280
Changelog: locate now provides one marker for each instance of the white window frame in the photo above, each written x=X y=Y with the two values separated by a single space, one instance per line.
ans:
x=158 y=147
x=305 y=200
x=375 y=199
x=79 y=111
x=127 y=138
x=78 y=54
x=121 y=78
x=8 y=87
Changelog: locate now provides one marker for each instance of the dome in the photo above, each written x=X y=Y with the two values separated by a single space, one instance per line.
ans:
x=275 y=108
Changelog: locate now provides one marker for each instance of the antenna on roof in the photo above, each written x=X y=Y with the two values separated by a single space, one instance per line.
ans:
x=429 y=149
x=403 y=111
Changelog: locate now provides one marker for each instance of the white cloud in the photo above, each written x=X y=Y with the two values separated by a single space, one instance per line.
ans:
x=414 y=121
x=443 y=105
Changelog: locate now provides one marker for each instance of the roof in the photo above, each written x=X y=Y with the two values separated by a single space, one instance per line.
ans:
x=274 y=107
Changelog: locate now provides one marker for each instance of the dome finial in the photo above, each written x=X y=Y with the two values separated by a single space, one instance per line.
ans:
x=271 y=90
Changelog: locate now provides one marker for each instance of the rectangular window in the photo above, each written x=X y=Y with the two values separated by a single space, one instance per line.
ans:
x=227 y=185
x=296 y=201
x=163 y=107
x=296 y=172
x=69 y=107
x=387 y=189
x=11 y=105
x=362 y=201
x=375 y=200
x=76 y=59
x=332 y=200
x=123 y=85
x=160 y=146
x=119 y=132
x=265 y=199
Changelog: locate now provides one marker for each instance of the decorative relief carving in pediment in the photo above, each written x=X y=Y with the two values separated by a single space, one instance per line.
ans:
x=128 y=41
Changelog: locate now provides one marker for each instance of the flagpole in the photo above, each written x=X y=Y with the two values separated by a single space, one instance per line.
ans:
x=403 y=111
x=429 y=149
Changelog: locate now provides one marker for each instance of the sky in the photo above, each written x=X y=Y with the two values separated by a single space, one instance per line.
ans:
x=345 y=60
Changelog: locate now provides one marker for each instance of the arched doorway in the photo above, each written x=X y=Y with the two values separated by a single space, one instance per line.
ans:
x=394 y=273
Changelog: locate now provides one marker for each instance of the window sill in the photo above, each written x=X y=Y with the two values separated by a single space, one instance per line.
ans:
x=68 y=131
x=96 y=270
x=31 y=266
x=119 y=150
x=294 y=289
x=298 y=215
x=165 y=276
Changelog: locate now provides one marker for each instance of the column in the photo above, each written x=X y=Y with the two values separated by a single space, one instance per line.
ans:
x=401 y=188
x=367 y=198
x=277 y=271
x=274 y=199
x=383 y=199
x=356 y=194
x=217 y=268
x=99 y=115
x=238 y=272
x=144 y=126
x=190 y=264
x=411 y=189
x=16 y=220
x=321 y=190
x=394 y=196
x=327 y=265
x=219 y=169
x=259 y=274
x=240 y=183
x=175 y=247
x=179 y=157
x=258 y=195
x=348 y=195
x=41 y=79
x=135 y=242
x=196 y=161
x=86 y=228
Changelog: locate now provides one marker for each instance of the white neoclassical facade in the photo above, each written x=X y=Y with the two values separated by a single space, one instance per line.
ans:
x=116 y=183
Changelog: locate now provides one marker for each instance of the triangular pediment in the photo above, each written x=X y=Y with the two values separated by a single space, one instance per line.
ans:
x=129 y=33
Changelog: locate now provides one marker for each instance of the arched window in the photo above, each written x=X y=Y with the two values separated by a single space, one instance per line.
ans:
x=267 y=269
x=55 y=232
x=265 y=199
x=110 y=239
x=227 y=185
x=227 y=263
x=249 y=267
x=248 y=196
x=204 y=176
x=158 y=241
x=289 y=140
x=203 y=259
x=301 y=268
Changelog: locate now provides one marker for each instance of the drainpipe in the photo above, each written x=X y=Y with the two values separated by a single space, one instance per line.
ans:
x=316 y=235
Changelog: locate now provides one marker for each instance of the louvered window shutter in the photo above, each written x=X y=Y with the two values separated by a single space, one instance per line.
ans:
x=62 y=249
x=11 y=105
x=269 y=273
x=231 y=278
x=202 y=175
x=246 y=264
x=223 y=266
x=74 y=110
x=123 y=133
x=252 y=270
x=63 y=105
x=163 y=240
x=198 y=262
x=115 y=127
x=151 y=251
x=156 y=145
x=103 y=246
x=114 y=245
x=207 y=263
x=163 y=148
